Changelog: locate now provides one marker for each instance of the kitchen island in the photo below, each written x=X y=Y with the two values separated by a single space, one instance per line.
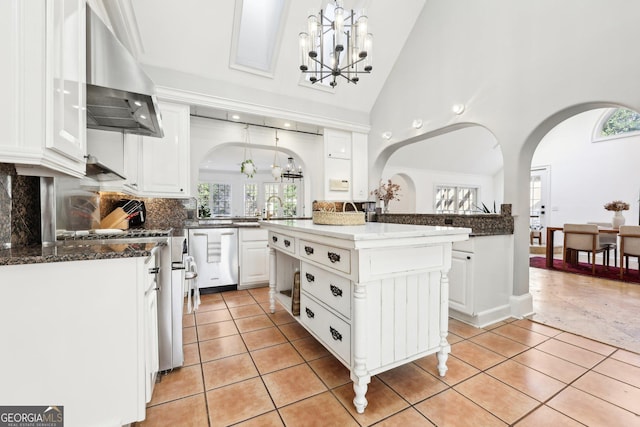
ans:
x=375 y=295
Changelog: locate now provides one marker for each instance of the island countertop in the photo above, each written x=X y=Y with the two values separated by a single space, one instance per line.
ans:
x=369 y=231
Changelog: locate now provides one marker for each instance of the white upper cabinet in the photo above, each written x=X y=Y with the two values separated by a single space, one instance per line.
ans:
x=43 y=86
x=165 y=161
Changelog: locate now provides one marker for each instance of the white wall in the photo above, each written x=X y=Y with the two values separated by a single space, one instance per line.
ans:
x=585 y=175
x=209 y=135
x=426 y=180
x=520 y=68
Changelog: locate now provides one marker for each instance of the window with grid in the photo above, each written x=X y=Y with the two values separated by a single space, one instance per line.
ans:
x=535 y=198
x=290 y=199
x=251 y=200
x=455 y=199
x=288 y=195
x=220 y=199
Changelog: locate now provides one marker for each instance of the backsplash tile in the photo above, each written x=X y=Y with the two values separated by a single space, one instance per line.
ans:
x=6 y=175
x=19 y=208
x=161 y=213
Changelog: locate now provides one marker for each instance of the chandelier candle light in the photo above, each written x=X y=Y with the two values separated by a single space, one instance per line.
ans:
x=341 y=47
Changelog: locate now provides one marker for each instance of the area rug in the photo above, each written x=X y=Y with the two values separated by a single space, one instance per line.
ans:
x=603 y=272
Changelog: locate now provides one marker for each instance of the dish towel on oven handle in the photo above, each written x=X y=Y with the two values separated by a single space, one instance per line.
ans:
x=191 y=276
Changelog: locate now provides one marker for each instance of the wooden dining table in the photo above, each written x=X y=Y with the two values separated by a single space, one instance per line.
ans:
x=552 y=230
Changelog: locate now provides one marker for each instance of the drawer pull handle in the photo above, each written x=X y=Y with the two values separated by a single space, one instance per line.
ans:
x=335 y=334
x=308 y=250
x=310 y=313
x=333 y=257
x=336 y=291
x=274 y=238
x=287 y=243
x=154 y=270
x=310 y=277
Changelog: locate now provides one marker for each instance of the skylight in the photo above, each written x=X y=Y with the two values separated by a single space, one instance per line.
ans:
x=257 y=29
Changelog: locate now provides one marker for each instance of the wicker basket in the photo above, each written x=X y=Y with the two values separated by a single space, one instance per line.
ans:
x=331 y=217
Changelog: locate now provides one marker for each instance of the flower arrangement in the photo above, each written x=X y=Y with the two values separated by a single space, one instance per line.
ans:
x=387 y=192
x=617 y=206
x=248 y=168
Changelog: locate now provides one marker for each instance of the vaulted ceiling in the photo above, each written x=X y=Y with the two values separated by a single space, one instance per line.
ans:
x=247 y=50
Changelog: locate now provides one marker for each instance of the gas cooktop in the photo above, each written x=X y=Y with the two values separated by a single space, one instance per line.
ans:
x=108 y=234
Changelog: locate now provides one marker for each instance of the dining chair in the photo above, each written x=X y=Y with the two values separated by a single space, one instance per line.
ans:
x=608 y=239
x=629 y=245
x=582 y=238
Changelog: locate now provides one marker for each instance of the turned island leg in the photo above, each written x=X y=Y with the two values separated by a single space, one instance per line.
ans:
x=445 y=348
x=359 y=374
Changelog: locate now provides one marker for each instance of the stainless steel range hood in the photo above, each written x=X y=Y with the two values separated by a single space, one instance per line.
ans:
x=120 y=96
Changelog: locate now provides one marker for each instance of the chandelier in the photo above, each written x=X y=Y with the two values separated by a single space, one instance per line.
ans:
x=289 y=171
x=338 y=47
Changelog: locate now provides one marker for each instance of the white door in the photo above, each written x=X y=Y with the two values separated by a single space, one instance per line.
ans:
x=539 y=197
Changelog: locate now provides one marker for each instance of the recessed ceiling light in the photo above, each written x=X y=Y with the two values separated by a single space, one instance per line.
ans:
x=235 y=117
x=287 y=125
x=458 y=108
x=417 y=123
x=387 y=135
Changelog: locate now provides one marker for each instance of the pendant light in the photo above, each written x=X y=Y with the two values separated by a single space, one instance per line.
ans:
x=276 y=170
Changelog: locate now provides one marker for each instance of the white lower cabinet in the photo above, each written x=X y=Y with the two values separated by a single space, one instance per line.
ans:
x=480 y=279
x=254 y=258
x=152 y=362
x=83 y=335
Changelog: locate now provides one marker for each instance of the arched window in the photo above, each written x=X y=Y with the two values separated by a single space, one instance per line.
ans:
x=619 y=122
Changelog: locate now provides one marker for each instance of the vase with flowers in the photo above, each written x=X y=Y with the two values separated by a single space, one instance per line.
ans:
x=617 y=206
x=386 y=192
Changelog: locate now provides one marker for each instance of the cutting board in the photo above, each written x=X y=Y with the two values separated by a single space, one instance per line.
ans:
x=118 y=218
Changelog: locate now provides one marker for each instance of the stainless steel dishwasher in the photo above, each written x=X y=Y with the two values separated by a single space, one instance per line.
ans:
x=215 y=251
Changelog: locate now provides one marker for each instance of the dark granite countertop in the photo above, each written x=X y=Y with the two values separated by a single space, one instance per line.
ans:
x=480 y=224
x=76 y=252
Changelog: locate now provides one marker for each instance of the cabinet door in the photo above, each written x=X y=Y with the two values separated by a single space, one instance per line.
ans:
x=66 y=88
x=165 y=160
x=461 y=282
x=254 y=263
x=131 y=161
x=152 y=362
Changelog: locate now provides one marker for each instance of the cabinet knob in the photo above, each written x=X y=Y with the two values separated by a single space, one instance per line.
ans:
x=287 y=243
x=308 y=250
x=468 y=257
x=336 y=291
x=310 y=277
x=310 y=314
x=335 y=334
x=333 y=257
x=274 y=238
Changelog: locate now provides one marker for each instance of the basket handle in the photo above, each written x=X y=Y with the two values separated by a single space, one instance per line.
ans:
x=352 y=204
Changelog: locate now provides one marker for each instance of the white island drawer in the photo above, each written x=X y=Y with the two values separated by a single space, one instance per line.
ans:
x=336 y=258
x=282 y=241
x=333 y=332
x=333 y=290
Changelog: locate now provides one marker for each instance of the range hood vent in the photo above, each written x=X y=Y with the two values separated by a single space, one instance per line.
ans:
x=101 y=172
x=120 y=96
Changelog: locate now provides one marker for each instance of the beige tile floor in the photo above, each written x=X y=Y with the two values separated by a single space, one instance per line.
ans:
x=246 y=367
